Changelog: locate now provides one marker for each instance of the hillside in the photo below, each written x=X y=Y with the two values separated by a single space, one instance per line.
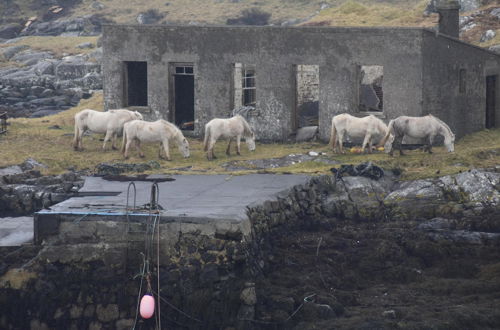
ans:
x=477 y=15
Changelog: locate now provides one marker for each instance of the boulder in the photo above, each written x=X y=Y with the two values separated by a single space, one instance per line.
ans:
x=45 y=67
x=488 y=35
x=10 y=31
x=75 y=68
x=9 y=52
x=29 y=55
x=307 y=133
x=85 y=45
x=495 y=49
x=495 y=12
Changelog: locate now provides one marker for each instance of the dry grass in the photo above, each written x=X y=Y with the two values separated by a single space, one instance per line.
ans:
x=56 y=45
x=353 y=13
x=33 y=138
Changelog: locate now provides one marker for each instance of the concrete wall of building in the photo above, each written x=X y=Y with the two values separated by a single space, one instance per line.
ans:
x=274 y=52
x=444 y=57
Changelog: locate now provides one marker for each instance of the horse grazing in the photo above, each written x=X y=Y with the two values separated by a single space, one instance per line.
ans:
x=419 y=127
x=367 y=127
x=110 y=122
x=235 y=127
x=158 y=131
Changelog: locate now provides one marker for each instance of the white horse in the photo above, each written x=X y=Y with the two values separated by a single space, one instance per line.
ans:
x=235 y=127
x=158 y=131
x=419 y=127
x=110 y=122
x=368 y=127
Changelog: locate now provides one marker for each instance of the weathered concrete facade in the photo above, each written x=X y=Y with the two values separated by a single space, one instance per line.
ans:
x=420 y=72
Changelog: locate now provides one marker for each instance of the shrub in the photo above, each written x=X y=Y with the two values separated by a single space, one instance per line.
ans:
x=252 y=16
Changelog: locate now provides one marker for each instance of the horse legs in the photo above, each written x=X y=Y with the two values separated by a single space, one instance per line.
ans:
x=238 y=142
x=127 y=146
x=210 y=150
x=367 y=140
x=228 y=150
x=107 y=138
x=429 y=146
x=114 y=137
x=341 y=141
x=138 y=147
x=166 y=148
x=397 y=143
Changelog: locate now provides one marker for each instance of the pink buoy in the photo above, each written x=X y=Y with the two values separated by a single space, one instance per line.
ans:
x=147 y=308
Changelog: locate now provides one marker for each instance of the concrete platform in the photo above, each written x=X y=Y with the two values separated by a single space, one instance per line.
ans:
x=198 y=199
x=16 y=231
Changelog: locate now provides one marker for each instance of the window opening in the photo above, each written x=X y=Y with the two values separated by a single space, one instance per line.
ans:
x=244 y=86
x=371 y=95
x=248 y=85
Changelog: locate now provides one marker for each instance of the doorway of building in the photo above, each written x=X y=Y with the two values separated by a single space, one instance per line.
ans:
x=491 y=85
x=307 y=95
x=136 y=84
x=183 y=95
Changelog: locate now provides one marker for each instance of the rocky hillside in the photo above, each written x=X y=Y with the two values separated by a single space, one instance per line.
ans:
x=50 y=55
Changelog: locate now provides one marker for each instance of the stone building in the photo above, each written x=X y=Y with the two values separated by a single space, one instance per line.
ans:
x=298 y=76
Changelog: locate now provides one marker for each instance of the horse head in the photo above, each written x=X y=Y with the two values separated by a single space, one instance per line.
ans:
x=250 y=140
x=449 y=142
x=183 y=145
x=138 y=115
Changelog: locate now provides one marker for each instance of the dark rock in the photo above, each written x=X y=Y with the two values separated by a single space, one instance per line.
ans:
x=10 y=31
x=105 y=169
x=107 y=313
x=151 y=16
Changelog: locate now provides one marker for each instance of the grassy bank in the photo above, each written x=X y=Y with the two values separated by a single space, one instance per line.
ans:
x=49 y=141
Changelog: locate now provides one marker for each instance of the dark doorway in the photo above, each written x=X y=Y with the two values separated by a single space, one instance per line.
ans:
x=307 y=95
x=136 y=87
x=491 y=82
x=183 y=79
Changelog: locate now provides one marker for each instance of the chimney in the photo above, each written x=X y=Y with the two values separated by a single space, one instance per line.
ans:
x=448 y=17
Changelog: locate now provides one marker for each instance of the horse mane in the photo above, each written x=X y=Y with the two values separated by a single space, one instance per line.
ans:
x=174 y=127
x=443 y=124
x=247 y=130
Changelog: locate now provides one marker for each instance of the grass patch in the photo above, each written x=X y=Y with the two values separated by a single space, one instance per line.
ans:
x=56 y=45
x=32 y=138
x=354 y=13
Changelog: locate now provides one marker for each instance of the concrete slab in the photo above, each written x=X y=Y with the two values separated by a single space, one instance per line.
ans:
x=16 y=231
x=196 y=198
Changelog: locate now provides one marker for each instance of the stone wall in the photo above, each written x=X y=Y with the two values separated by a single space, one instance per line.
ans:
x=87 y=274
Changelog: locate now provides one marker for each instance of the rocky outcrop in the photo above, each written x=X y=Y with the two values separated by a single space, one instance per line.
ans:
x=470 y=194
x=89 y=25
x=23 y=190
x=41 y=84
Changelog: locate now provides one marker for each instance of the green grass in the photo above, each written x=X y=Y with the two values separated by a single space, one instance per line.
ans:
x=33 y=138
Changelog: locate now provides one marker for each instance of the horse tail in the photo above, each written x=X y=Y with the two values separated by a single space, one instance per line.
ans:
x=77 y=133
x=206 y=141
x=390 y=130
x=333 y=135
